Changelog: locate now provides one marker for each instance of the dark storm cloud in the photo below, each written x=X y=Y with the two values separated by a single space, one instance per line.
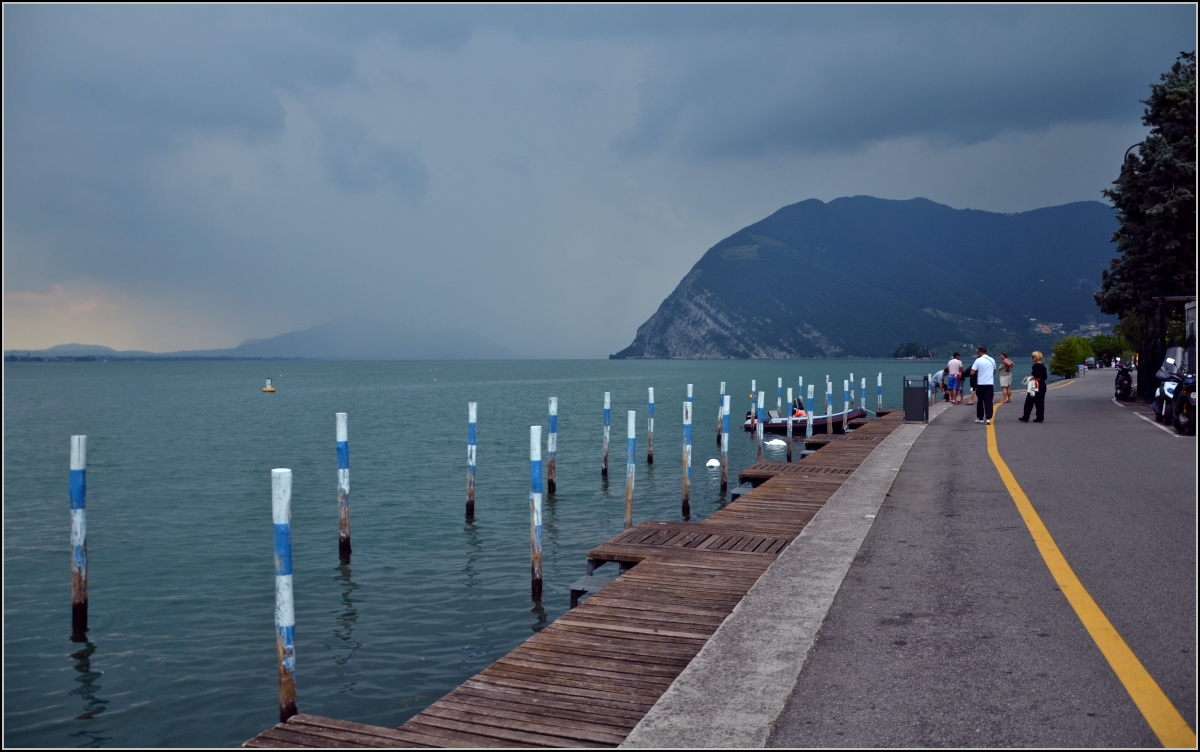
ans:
x=237 y=154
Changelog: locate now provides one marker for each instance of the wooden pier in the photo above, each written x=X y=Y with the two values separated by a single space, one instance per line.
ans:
x=589 y=677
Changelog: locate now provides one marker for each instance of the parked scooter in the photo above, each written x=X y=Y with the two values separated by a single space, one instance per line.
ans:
x=1185 y=405
x=1170 y=377
x=1124 y=383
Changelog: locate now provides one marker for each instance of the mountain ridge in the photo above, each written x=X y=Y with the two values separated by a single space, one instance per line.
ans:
x=859 y=276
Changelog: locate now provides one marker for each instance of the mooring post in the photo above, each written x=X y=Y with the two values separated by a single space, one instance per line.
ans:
x=720 y=411
x=78 y=493
x=761 y=400
x=753 y=391
x=629 y=469
x=779 y=396
x=471 y=415
x=607 y=430
x=725 y=444
x=863 y=392
x=846 y=406
x=828 y=405
x=852 y=389
x=808 y=431
x=343 y=487
x=879 y=392
x=285 y=609
x=650 y=431
x=789 y=427
x=535 y=511
x=687 y=456
x=552 y=446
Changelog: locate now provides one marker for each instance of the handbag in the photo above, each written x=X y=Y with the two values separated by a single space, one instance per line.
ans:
x=1031 y=386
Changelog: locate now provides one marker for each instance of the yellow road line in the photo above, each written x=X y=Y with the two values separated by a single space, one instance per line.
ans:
x=1060 y=386
x=1166 y=722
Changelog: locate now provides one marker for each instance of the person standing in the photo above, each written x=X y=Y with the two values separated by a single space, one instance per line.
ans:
x=983 y=372
x=1038 y=397
x=954 y=379
x=1004 y=373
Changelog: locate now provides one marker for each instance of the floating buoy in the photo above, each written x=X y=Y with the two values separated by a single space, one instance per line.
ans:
x=712 y=464
x=268 y=388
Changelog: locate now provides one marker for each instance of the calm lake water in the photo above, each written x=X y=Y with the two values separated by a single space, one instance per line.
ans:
x=180 y=546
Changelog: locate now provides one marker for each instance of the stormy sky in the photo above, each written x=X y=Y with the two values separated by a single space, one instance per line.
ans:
x=182 y=177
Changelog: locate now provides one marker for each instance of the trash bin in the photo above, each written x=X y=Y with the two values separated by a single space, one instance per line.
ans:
x=916 y=399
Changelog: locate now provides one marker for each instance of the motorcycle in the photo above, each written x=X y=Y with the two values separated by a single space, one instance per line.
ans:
x=1124 y=383
x=1170 y=377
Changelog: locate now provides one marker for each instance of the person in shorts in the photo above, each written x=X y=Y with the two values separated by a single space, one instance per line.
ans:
x=954 y=378
x=937 y=385
x=1004 y=375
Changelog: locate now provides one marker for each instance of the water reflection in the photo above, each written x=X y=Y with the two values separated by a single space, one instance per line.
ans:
x=541 y=619
x=343 y=632
x=474 y=549
x=87 y=689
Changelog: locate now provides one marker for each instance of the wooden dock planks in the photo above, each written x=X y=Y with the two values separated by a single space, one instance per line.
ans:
x=588 y=678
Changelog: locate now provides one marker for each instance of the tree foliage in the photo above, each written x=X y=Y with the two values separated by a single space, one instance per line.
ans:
x=1107 y=347
x=1156 y=203
x=912 y=350
x=1068 y=354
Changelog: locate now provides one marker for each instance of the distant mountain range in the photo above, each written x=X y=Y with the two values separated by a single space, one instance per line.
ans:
x=862 y=276
x=347 y=339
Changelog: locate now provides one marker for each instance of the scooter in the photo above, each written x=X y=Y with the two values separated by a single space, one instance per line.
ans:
x=1169 y=377
x=1185 y=405
x=1124 y=383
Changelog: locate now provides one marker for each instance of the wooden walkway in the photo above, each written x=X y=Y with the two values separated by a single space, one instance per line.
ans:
x=589 y=677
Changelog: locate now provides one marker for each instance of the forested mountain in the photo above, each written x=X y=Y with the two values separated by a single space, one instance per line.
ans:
x=861 y=276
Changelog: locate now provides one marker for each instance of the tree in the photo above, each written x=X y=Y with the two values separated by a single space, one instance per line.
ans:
x=911 y=350
x=1156 y=207
x=1107 y=347
x=1068 y=354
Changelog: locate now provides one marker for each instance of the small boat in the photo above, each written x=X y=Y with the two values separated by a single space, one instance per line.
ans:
x=775 y=424
x=268 y=388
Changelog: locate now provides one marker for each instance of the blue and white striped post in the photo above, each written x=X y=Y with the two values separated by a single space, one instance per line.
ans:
x=753 y=391
x=689 y=393
x=800 y=394
x=828 y=405
x=78 y=494
x=343 y=487
x=929 y=388
x=607 y=431
x=779 y=396
x=879 y=392
x=629 y=467
x=851 y=389
x=285 y=609
x=535 y=511
x=552 y=446
x=687 y=456
x=808 y=431
x=846 y=406
x=724 y=443
x=720 y=411
x=789 y=426
x=761 y=401
x=650 y=431
x=471 y=415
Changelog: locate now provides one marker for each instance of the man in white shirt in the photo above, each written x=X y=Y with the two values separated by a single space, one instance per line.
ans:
x=954 y=378
x=984 y=370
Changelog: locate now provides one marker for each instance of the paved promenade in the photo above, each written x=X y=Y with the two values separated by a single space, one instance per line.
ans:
x=946 y=627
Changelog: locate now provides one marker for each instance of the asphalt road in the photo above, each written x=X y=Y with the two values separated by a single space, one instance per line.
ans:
x=949 y=629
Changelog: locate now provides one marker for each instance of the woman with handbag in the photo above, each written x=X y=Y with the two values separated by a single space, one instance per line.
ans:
x=1005 y=374
x=1035 y=394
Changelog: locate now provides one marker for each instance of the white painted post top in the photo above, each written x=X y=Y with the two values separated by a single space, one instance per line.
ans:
x=341 y=427
x=471 y=412
x=687 y=413
x=753 y=385
x=689 y=391
x=652 y=395
x=810 y=391
x=725 y=405
x=722 y=387
x=789 y=400
x=761 y=399
x=846 y=384
x=553 y=405
x=535 y=443
x=78 y=453
x=780 y=382
x=281 y=496
x=607 y=400
x=632 y=424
